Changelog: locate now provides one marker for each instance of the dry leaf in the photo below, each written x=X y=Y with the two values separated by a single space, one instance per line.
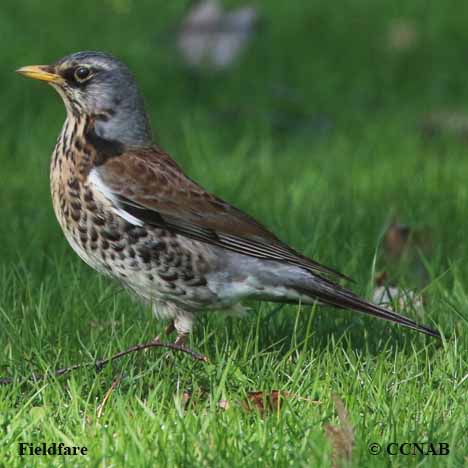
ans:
x=263 y=402
x=395 y=298
x=223 y=404
x=341 y=437
x=266 y=402
x=211 y=37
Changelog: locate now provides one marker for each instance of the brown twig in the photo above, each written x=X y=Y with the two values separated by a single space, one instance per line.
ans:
x=101 y=363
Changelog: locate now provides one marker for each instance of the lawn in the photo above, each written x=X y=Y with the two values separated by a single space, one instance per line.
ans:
x=320 y=130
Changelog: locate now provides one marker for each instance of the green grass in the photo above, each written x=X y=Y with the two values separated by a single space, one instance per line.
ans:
x=322 y=142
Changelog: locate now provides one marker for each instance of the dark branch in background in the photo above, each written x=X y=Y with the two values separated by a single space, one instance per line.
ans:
x=101 y=363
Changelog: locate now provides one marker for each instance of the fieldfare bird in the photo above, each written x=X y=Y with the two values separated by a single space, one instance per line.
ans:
x=129 y=211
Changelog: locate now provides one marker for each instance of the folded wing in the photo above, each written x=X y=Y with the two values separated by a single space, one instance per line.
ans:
x=149 y=186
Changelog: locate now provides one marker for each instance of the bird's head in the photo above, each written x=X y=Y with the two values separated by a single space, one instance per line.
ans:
x=98 y=85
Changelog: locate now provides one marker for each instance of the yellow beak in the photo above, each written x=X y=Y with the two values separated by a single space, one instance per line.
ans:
x=40 y=72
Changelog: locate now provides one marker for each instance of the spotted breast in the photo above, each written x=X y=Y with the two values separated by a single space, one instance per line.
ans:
x=159 y=266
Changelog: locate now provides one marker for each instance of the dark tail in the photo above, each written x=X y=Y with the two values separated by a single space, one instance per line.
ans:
x=329 y=293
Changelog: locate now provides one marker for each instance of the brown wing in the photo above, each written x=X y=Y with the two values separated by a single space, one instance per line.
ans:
x=150 y=186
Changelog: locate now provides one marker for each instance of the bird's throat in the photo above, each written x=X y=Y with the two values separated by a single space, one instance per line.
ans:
x=80 y=148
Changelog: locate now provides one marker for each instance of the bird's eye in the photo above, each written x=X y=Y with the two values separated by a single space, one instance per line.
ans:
x=81 y=73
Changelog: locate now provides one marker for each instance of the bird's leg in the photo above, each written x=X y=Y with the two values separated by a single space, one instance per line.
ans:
x=168 y=331
x=183 y=325
x=181 y=339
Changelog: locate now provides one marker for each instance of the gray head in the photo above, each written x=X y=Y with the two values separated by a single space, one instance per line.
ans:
x=101 y=86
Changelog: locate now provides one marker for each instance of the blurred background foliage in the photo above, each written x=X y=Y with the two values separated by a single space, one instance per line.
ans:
x=310 y=65
x=350 y=114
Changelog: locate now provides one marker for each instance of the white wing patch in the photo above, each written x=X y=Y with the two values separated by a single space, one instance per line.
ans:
x=95 y=180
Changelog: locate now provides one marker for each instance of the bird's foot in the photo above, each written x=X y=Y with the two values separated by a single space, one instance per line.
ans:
x=168 y=331
x=179 y=344
x=181 y=339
